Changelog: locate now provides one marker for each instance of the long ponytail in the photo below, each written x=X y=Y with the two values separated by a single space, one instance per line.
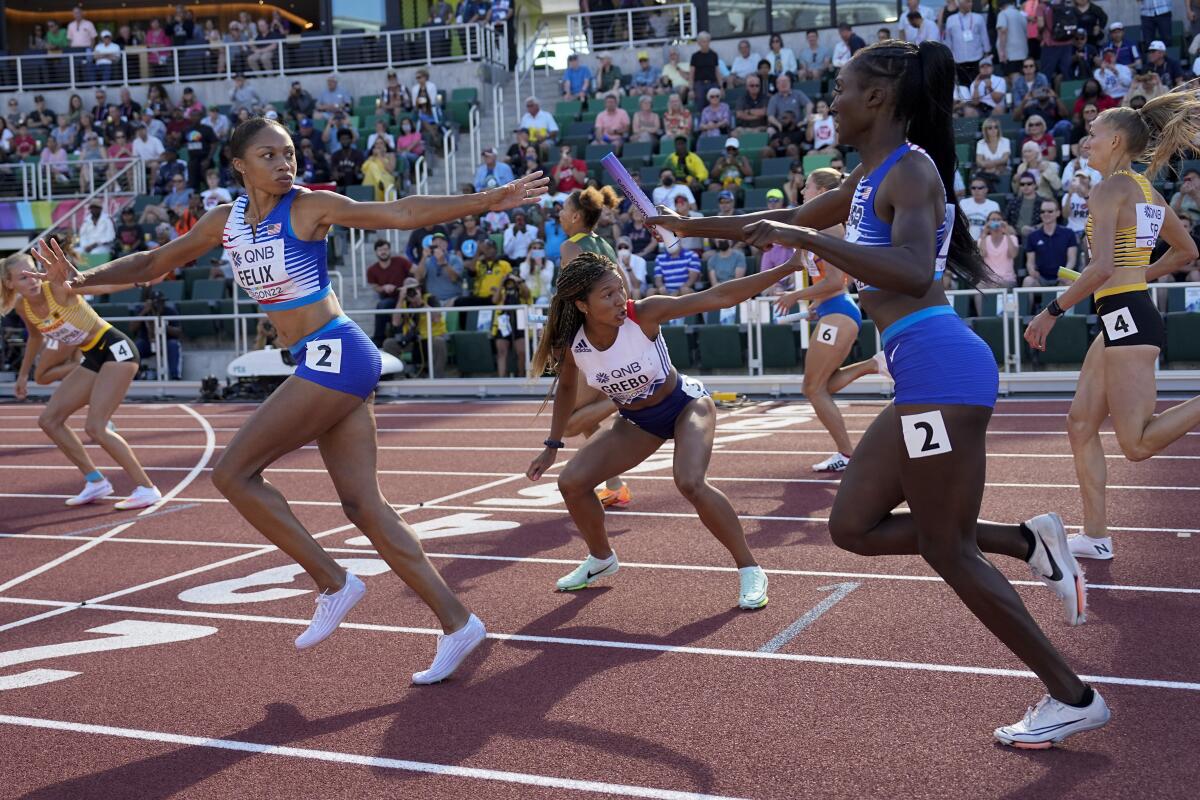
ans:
x=1164 y=127
x=923 y=77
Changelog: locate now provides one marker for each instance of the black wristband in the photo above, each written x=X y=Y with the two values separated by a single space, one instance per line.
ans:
x=554 y=444
x=1054 y=309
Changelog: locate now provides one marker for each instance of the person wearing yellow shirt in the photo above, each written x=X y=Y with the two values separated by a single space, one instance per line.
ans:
x=688 y=167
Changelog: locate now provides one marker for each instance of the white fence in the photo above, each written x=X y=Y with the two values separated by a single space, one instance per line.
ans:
x=631 y=27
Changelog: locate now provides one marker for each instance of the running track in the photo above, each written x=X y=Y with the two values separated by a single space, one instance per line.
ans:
x=150 y=656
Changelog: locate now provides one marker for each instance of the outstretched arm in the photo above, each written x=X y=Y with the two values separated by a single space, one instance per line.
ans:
x=661 y=308
x=417 y=211
x=830 y=209
x=136 y=267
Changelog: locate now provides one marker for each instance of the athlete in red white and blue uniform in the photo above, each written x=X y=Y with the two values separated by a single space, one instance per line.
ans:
x=594 y=332
x=275 y=238
x=893 y=102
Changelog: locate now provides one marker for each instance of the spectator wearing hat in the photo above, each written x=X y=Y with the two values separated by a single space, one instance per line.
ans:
x=609 y=78
x=647 y=77
x=1083 y=57
x=1156 y=22
x=730 y=169
x=492 y=172
x=416 y=334
x=751 y=112
x=485 y=274
x=687 y=167
x=577 y=80
x=612 y=125
x=725 y=203
x=440 y=270
x=744 y=65
x=787 y=100
x=988 y=89
x=386 y=277
x=1167 y=68
x=715 y=118
x=703 y=76
x=1127 y=51
x=647 y=125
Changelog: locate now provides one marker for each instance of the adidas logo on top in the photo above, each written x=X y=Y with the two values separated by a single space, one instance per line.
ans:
x=581 y=347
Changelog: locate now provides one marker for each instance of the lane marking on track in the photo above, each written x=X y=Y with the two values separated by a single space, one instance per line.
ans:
x=839 y=592
x=161 y=512
x=210 y=441
x=802 y=573
x=911 y=666
x=495 y=505
x=262 y=550
x=375 y=762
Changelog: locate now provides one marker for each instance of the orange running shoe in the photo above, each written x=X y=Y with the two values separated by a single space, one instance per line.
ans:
x=608 y=498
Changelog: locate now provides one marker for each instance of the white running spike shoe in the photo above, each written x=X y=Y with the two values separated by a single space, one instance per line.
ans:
x=835 y=463
x=142 y=497
x=1084 y=546
x=592 y=569
x=332 y=608
x=452 y=648
x=1051 y=721
x=92 y=491
x=1053 y=564
x=752 y=592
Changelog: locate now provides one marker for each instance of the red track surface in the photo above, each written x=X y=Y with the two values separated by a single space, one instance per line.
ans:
x=893 y=691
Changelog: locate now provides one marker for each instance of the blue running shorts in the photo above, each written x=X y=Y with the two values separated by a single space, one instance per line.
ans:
x=936 y=359
x=338 y=355
x=659 y=419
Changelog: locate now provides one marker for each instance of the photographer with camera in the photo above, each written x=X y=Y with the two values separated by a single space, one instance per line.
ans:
x=412 y=332
x=154 y=304
x=512 y=291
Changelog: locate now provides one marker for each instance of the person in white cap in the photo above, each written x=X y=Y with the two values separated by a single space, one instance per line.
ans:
x=730 y=169
x=492 y=173
x=1127 y=52
x=1167 y=68
x=106 y=54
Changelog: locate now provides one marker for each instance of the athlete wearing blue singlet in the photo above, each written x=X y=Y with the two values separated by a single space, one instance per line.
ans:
x=281 y=271
x=893 y=102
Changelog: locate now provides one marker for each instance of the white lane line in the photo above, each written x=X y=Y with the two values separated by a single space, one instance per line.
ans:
x=803 y=573
x=210 y=441
x=354 y=759
x=997 y=672
x=839 y=592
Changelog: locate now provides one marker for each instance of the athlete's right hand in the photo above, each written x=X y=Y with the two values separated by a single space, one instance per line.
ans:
x=784 y=302
x=543 y=462
x=58 y=268
x=21 y=389
x=668 y=219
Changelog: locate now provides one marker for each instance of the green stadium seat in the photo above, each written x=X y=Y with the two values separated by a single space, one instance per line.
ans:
x=708 y=203
x=208 y=289
x=459 y=113
x=198 y=327
x=659 y=104
x=677 y=345
x=812 y=162
x=1070 y=341
x=473 y=353
x=810 y=88
x=866 y=340
x=125 y=297
x=991 y=330
x=775 y=166
x=630 y=104
x=637 y=150
x=755 y=198
x=1183 y=337
x=649 y=175
x=360 y=193
x=770 y=181
x=720 y=346
x=567 y=109
x=752 y=142
x=465 y=94
x=193 y=274
x=595 y=152
x=710 y=144
x=1068 y=91
x=779 y=347
x=589 y=116
x=172 y=291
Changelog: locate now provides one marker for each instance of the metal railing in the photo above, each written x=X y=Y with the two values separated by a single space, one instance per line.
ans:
x=346 y=51
x=421 y=176
x=474 y=134
x=450 y=160
x=631 y=27
x=527 y=64
x=501 y=133
x=126 y=183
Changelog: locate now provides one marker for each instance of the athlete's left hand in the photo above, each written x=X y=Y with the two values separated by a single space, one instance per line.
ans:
x=765 y=232
x=1039 y=329
x=58 y=268
x=521 y=192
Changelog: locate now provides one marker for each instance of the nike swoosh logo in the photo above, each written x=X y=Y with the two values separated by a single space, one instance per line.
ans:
x=591 y=574
x=1048 y=728
x=1055 y=572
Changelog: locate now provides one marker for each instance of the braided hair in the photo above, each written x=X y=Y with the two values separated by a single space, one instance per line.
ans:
x=922 y=77
x=564 y=319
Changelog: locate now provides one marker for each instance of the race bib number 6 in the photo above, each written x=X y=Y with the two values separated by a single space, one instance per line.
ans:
x=925 y=434
x=324 y=355
x=827 y=334
x=1149 y=224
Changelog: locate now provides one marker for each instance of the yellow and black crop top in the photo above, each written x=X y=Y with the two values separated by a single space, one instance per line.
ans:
x=1130 y=250
x=74 y=324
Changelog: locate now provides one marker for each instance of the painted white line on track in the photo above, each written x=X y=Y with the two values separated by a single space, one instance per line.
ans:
x=210 y=441
x=803 y=573
x=353 y=759
x=913 y=666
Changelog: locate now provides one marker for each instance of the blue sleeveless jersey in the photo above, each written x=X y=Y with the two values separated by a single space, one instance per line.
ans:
x=866 y=228
x=277 y=270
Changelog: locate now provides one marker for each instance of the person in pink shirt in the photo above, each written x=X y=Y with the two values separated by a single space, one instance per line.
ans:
x=81 y=32
x=612 y=124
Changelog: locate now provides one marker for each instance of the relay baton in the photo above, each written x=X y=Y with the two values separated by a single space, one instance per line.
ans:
x=1068 y=274
x=616 y=170
x=789 y=318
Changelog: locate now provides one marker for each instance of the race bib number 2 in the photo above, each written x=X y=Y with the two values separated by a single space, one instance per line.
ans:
x=925 y=434
x=324 y=355
x=1149 y=224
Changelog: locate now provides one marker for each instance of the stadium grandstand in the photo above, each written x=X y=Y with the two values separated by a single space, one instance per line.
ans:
x=715 y=107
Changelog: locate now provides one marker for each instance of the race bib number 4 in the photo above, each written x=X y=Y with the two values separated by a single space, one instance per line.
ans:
x=1149 y=224
x=121 y=351
x=925 y=434
x=1119 y=324
x=324 y=355
x=827 y=334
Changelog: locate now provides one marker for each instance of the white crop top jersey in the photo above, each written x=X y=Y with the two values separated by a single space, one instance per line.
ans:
x=631 y=369
x=275 y=268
